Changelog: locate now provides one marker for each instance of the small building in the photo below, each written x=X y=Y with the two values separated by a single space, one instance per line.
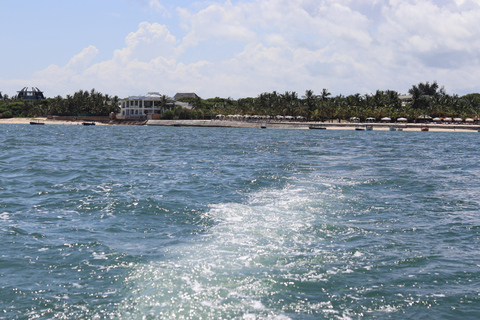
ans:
x=31 y=95
x=144 y=107
x=405 y=99
x=179 y=96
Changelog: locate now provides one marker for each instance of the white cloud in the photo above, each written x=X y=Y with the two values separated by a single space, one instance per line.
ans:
x=157 y=6
x=148 y=42
x=345 y=46
x=80 y=61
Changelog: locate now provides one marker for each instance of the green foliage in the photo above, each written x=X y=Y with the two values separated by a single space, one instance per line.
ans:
x=7 y=114
x=168 y=115
x=85 y=102
x=11 y=109
x=428 y=98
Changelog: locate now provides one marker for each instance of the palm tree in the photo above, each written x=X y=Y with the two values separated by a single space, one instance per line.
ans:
x=309 y=102
x=325 y=94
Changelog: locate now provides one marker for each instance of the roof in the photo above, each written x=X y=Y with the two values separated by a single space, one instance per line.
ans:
x=148 y=96
x=34 y=94
x=405 y=97
x=186 y=95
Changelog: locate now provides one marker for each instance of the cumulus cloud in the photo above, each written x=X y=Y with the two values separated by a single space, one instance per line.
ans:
x=157 y=6
x=80 y=61
x=248 y=47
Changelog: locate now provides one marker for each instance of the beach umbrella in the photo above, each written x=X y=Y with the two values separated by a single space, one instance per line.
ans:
x=447 y=119
x=288 y=117
x=436 y=119
x=386 y=119
x=469 y=120
x=402 y=119
x=458 y=119
x=370 y=119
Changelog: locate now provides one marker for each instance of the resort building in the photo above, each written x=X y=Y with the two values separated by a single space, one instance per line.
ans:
x=30 y=95
x=179 y=96
x=405 y=99
x=149 y=106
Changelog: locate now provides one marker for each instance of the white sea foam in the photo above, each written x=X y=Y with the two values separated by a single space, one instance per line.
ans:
x=4 y=216
x=250 y=249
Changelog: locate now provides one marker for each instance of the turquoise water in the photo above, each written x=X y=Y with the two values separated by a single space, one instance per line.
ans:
x=119 y=222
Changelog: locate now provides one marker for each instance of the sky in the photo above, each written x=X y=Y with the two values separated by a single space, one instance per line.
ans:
x=238 y=48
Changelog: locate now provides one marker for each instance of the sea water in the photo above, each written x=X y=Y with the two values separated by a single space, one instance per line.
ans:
x=123 y=222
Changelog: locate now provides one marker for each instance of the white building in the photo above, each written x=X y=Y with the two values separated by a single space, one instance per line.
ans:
x=145 y=107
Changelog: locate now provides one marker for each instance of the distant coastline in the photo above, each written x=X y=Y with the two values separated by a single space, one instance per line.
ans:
x=45 y=120
x=269 y=125
x=305 y=125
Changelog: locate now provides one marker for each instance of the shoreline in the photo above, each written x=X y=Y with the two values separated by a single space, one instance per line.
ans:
x=305 y=125
x=46 y=121
x=269 y=125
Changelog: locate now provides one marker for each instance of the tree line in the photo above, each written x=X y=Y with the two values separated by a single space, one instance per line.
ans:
x=80 y=103
x=425 y=99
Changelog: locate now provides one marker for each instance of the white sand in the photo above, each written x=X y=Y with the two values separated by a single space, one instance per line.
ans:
x=46 y=121
x=274 y=125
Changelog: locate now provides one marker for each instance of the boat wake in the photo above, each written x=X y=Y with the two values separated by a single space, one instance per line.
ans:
x=252 y=261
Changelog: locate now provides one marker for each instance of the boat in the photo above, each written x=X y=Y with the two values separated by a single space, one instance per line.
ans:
x=424 y=128
x=37 y=122
x=392 y=128
x=317 y=126
x=369 y=127
x=263 y=126
x=88 y=123
x=359 y=127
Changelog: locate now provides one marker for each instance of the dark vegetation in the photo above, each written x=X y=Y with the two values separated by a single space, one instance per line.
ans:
x=80 y=103
x=426 y=99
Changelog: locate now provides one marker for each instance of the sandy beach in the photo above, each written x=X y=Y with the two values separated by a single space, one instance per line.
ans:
x=46 y=121
x=305 y=125
x=270 y=125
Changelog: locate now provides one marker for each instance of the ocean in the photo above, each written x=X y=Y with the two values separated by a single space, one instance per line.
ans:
x=129 y=222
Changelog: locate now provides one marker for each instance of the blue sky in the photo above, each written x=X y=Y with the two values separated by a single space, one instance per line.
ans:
x=238 y=48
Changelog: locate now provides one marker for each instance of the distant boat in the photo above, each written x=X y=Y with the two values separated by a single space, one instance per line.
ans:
x=317 y=126
x=37 y=122
x=263 y=126
x=88 y=123
x=424 y=128
x=359 y=127
x=392 y=128
x=369 y=127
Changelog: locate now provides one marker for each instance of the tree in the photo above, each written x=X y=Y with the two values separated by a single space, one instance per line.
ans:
x=310 y=102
